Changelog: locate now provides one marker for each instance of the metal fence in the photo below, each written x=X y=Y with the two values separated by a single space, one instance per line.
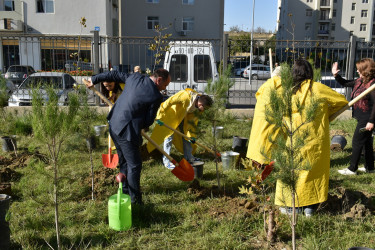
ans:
x=88 y=55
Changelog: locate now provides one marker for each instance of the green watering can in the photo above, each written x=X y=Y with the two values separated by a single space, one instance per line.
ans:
x=119 y=209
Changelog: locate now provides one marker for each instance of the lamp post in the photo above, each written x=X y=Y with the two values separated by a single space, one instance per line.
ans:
x=251 y=45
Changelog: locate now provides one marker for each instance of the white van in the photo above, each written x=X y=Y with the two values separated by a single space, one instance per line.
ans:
x=190 y=64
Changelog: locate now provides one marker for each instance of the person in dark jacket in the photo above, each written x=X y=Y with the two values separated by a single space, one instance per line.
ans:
x=363 y=112
x=134 y=110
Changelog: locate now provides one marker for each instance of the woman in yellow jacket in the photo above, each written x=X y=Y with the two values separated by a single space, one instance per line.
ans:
x=312 y=185
x=179 y=111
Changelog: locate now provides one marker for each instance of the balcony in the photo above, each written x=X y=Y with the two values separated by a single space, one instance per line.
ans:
x=10 y=25
x=325 y=3
x=323 y=32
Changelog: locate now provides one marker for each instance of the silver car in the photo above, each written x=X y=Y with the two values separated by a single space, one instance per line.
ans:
x=62 y=82
x=258 y=71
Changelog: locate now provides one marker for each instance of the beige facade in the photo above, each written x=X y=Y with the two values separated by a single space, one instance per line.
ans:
x=326 y=20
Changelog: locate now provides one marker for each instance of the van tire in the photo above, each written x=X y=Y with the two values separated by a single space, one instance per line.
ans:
x=254 y=77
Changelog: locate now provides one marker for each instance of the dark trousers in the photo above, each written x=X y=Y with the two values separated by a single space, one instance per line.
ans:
x=360 y=140
x=130 y=165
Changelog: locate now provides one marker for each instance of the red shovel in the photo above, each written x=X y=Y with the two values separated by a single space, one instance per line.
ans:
x=109 y=160
x=183 y=170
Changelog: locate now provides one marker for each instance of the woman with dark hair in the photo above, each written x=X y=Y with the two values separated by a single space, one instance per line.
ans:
x=363 y=112
x=112 y=90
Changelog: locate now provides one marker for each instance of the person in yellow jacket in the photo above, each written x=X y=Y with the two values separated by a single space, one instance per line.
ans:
x=312 y=185
x=179 y=111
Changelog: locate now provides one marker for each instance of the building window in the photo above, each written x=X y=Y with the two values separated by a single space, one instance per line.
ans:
x=351 y=33
x=308 y=12
x=152 y=1
x=309 y=1
x=352 y=20
x=333 y=26
x=324 y=2
x=353 y=6
x=45 y=6
x=152 y=21
x=364 y=1
x=188 y=2
x=307 y=26
x=187 y=23
x=362 y=27
x=364 y=13
x=334 y=13
x=9 y=5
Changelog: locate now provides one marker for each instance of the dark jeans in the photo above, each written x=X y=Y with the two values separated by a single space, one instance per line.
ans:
x=130 y=164
x=360 y=140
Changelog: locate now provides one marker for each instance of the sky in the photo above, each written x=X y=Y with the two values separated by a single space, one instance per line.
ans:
x=239 y=12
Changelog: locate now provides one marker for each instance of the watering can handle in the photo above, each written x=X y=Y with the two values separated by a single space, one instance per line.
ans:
x=119 y=193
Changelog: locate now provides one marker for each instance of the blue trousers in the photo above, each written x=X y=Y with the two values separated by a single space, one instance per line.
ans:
x=130 y=165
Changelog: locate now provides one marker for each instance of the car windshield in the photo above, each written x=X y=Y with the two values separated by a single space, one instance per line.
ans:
x=17 y=69
x=42 y=82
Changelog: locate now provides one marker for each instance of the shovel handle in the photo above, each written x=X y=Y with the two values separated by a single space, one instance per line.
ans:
x=351 y=103
x=187 y=137
x=105 y=99
x=159 y=148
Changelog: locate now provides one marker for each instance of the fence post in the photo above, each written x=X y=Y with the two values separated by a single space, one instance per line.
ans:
x=95 y=53
x=351 y=62
x=225 y=51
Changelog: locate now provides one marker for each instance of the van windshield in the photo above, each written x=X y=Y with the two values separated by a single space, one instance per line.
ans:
x=202 y=68
x=178 y=68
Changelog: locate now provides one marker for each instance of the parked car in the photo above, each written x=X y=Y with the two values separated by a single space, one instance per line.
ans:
x=331 y=82
x=18 y=73
x=258 y=71
x=71 y=65
x=62 y=82
x=239 y=67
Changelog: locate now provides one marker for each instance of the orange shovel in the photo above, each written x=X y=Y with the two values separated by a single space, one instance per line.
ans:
x=183 y=170
x=109 y=160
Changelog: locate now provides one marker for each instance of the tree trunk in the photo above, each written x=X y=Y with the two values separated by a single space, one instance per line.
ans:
x=294 y=221
x=56 y=206
x=92 y=175
x=271 y=226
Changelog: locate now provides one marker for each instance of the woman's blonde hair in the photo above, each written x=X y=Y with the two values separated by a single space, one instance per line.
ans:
x=366 y=67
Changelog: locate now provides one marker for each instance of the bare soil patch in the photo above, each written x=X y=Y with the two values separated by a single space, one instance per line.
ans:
x=351 y=204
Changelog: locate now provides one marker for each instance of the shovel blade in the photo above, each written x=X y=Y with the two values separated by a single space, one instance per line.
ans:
x=110 y=160
x=267 y=170
x=184 y=171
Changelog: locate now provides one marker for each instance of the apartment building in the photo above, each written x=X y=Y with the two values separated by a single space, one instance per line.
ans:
x=188 y=19
x=44 y=33
x=184 y=20
x=326 y=20
x=31 y=30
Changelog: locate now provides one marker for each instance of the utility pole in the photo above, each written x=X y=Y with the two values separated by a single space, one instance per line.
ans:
x=251 y=45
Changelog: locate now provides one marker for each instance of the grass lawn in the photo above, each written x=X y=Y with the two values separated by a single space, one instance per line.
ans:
x=175 y=214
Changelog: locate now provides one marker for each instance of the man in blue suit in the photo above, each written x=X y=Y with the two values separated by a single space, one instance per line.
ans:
x=133 y=111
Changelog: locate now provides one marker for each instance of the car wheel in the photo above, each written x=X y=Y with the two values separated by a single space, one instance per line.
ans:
x=242 y=74
x=254 y=77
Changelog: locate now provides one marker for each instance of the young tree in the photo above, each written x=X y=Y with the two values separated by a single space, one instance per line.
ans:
x=160 y=45
x=87 y=117
x=218 y=90
x=52 y=125
x=291 y=118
